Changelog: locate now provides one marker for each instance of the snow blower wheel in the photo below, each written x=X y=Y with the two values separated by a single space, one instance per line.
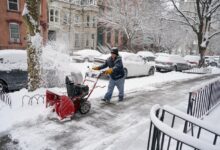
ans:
x=85 y=107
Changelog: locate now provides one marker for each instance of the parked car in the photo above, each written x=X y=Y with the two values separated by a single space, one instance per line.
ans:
x=193 y=60
x=147 y=56
x=171 y=62
x=13 y=70
x=212 y=60
x=133 y=64
x=85 y=55
x=161 y=54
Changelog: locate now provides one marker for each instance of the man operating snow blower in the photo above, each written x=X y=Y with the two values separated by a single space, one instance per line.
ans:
x=116 y=73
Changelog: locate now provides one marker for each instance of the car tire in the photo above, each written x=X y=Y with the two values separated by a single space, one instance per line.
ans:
x=3 y=86
x=85 y=107
x=158 y=69
x=126 y=73
x=86 y=60
x=151 y=71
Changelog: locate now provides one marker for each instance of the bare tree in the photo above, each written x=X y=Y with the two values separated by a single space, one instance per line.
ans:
x=31 y=19
x=201 y=20
x=125 y=16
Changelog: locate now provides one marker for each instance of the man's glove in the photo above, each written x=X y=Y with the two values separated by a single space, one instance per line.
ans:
x=108 y=71
x=95 y=68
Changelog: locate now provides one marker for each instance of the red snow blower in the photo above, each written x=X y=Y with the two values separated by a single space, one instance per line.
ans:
x=77 y=99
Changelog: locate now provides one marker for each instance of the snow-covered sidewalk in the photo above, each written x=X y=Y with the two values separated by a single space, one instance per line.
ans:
x=35 y=116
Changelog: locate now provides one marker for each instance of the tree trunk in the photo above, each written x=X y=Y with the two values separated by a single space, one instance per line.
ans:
x=31 y=19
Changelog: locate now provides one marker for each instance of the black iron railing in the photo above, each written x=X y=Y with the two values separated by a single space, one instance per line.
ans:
x=163 y=135
x=198 y=71
x=204 y=98
x=5 y=97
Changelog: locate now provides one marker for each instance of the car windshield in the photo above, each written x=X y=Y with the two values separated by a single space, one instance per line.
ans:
x=150 y=58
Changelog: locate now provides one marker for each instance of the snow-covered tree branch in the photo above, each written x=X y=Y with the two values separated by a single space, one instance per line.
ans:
x=201 y=20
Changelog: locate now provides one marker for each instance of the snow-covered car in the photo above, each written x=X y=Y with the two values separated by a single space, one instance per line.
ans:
x=146 y=55
x=161 y=54
x=13 y=70
x=212 y=60
x=134 y=65
x=193 y=60
x=85 y=55
x=171 y=62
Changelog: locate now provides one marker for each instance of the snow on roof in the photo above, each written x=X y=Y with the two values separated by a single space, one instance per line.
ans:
x=162 y=54
x=192 y=58
x=146 y=54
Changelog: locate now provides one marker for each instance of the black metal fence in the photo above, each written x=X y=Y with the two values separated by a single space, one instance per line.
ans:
x=204 y=98
x=5 y=97
x=163 y=135
x=198 y=71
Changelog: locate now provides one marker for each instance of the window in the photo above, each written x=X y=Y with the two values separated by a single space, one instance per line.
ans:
x=94 y=22
x=116 y=38
x=77 y=44
x=51 y=35
x=87 y=40
x=51 y=15
x=87 y=21
x=93 y=41
x=93 y=36
x=13 y=5
x=66 y=18
x=108 y=37
x=77 y=19
x=54 y=15
x=14 y=32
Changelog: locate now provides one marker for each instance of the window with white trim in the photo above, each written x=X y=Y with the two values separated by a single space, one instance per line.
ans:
x=77 y=19
x=51 y=15
x=54 y=15
x=13 y=5
x=87 y=21
x=77 y=44
x=14 y=32
x=94 y=22
x=87 y=40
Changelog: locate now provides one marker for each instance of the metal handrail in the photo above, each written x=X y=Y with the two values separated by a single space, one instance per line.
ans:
x=159 y=131
x=204 y=98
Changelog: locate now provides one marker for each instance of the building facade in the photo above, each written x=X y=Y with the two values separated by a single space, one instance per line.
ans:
x=12 y=27
x=108 y=36
x=73 y=23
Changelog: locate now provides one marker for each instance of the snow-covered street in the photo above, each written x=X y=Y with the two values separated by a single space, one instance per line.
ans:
x=119 y=126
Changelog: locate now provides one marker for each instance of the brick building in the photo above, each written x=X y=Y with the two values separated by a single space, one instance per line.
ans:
x=12 y=28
